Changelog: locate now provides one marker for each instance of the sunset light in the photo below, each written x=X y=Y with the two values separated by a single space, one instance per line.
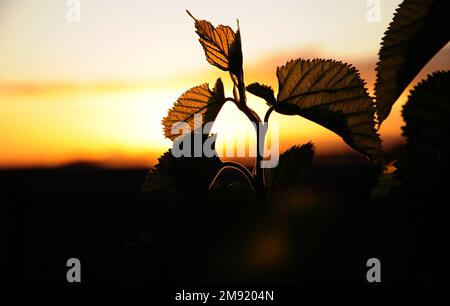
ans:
x=222 y=151
x=96 y=91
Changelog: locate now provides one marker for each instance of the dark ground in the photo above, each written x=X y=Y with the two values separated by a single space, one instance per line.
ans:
x=322 y=231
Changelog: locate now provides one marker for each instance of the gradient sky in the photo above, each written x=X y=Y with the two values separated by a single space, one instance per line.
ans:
x=97 y=90
x=141 y=39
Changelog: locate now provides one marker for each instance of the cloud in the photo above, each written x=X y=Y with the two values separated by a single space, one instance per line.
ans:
x=262 y=70
x=52 y=88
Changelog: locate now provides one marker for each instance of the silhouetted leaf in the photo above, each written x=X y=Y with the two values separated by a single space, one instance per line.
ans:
x=427 y=130
x=263 y=91
x=217 y=42
x=333 y=95
x=171 y=191
x=158 y=178
x=419 y=30
x=385 y=182
x=183 y=173
x=236 y=58
x=293 y=165
x=198 y=100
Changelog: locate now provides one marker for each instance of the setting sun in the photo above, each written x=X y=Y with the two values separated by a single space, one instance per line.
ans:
x=97 y=90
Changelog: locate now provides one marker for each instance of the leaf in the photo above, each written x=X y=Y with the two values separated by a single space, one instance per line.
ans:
x=236 y=57
x=263 y=91
x=427 y=130
x=333 y=95
x=293 y=165
x=198 y=100
x=385 y=183
x=176 y=173
x=218 y=42
x=158 y=178
x=419 y=30
x=172 y=190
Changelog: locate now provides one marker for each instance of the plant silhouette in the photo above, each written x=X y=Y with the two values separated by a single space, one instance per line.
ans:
x=327 y=92
x=418 y=31
x=418 y=186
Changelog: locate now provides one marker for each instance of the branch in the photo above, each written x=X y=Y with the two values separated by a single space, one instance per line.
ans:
x=232 y=100
x=269 y=111
x=238 y=167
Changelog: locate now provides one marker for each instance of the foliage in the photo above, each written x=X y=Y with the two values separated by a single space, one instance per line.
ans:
x=199 y=100
x=419 y=30
x=327 y=92
x=427 y=130
x=293 y=166
x=333 y=95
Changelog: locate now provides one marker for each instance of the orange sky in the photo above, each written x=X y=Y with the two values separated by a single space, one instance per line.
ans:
x=97 y=91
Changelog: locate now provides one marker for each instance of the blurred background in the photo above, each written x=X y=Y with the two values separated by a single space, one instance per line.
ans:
x=96 y=90
x=81 y=104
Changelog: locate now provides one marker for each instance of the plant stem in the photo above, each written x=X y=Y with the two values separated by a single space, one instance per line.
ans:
x=269 y=111
x=238 y=167
x=258 y=171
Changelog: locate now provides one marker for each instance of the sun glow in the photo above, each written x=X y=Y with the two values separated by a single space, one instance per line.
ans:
x=96 y=91
x=83 y=126
x=122 y=126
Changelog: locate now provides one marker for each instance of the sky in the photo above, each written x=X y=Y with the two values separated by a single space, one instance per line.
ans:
x=96 y=90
